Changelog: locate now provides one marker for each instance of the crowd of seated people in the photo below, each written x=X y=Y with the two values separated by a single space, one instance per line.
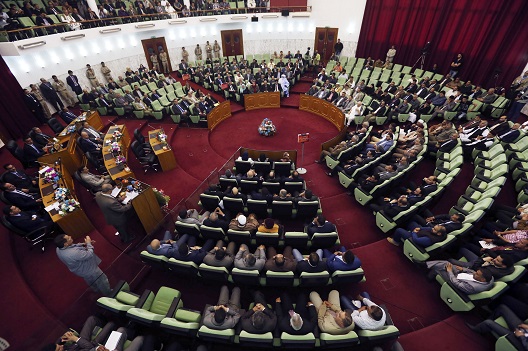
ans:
x=416 y=97
x=59 y=16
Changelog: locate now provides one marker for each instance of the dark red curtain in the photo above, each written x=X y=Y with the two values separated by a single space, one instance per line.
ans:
x=15 y=118
x=491 y=34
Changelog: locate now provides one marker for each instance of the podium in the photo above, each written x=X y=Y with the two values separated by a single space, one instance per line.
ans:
x=146 y=206
x=165 y=156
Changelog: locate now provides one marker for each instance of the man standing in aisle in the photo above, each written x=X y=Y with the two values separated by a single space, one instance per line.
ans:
x=82 y=261
x=198 y=52
x=114 y=211
x=164 y=61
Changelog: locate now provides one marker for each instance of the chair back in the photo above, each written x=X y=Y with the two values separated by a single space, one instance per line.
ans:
x=242 y=167
x=233 y=205
x=282 y=169
x=258 y=207
x=212 y=233
x=307 y=209
x=138 y=136
x=55 y=125
x=209 y=202
x=281 y=209
x=262 y=168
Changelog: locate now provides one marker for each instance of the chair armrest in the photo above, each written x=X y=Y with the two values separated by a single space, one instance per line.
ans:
x=443 y=170
x=143 y=298
x=465 y=213
x=483 y=178
x=117 y=288
x=173 y=307
x=469 y=199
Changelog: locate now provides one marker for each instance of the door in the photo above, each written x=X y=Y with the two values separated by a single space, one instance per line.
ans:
x=151 y=46
x=232 y=42
x=325 y=39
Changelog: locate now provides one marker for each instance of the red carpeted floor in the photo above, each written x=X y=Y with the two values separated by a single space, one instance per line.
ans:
x=42 y=297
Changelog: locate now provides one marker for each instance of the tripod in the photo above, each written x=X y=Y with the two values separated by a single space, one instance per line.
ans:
x=421 y=59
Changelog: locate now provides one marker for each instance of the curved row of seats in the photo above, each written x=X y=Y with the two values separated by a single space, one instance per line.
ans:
x=164 y=310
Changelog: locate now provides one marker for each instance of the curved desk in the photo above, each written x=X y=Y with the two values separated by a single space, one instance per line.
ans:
x=261 y=100
x=218 y=114
x=324 y=109
x=75 y=223
x=116 y=171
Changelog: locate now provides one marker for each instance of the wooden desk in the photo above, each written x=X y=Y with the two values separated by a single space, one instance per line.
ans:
x=75 y=223
x=218 y=114
x=261 y=100
x=113 y=169
x=71 y=156
x=147 y=208
x=322 y=108
x=92 y=117
x=166 y=157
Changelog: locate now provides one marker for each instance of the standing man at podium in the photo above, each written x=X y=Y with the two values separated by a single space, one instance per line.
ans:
x=114 y=211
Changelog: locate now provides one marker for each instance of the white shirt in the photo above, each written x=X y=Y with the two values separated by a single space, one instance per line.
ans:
x=366 y=322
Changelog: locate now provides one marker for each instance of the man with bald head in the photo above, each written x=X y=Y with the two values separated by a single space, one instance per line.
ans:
x=300 y=320
x=114 y=211
x=88 y=145
x=166 y=247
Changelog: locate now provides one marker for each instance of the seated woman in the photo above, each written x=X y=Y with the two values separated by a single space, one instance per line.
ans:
x=267 y=128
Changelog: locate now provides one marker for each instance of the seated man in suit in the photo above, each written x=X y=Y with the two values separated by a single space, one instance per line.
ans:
x=40 y=138
x=260 y=319
x=192 y=216
x=330 y=317
x=298 y=320
x=248 y=261
x=449 y=222
x=393 y=207
x=220 y=255
x=283 y=195
x=280 y=262
x=421 y=236
x=167 y=247
x=226 y=313
x=498 y=266
x=217 y=219
x=341 y=260
x=320 y=225
x=20 y=179
x=88 y=145
x=95 y=181
x=367 y=317
x=21 y=199
x=67 y=116
x=26 y=220
x=314 y=263
x=190 y=252
x=32 y=152
x=466 y=280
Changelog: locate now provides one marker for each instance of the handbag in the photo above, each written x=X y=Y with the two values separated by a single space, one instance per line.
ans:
x=224 y=86
x=186 y=77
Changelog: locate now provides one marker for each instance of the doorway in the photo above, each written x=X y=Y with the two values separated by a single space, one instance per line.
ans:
x=232 y=42
x=153 y=46
x=325 y=39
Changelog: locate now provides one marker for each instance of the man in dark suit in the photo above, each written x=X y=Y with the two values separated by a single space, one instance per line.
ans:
x=114 y=211
x=66 y=115
x=260 y=319
x=217 y=219
x=312 y=264
x=190 y=252
x=34 y=106
x=449 y=222
x=320 y=225
x=166 y=247
x=50 y=94
x=88 y=145
x=177 y=109
x=300 y=320
x=280 y=262
x=446 y=146
x=26 y=220
x=40 y=138
x=21 y=199
x=31 y=151
x=73 y=82
x=19 y=179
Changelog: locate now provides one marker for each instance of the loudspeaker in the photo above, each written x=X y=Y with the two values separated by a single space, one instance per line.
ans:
x=254 y=19
x=285 y=13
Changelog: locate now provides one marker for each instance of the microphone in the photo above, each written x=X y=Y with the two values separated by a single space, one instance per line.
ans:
x=148 y=124
x=45 y=164
x=112 y=123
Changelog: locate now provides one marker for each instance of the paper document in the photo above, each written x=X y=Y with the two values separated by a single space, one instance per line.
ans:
x=45 y=169
x=113 y=340
x=487 y=245
x=465 y=276
x=116 y=191
x=130 y=195
x=53 y=206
